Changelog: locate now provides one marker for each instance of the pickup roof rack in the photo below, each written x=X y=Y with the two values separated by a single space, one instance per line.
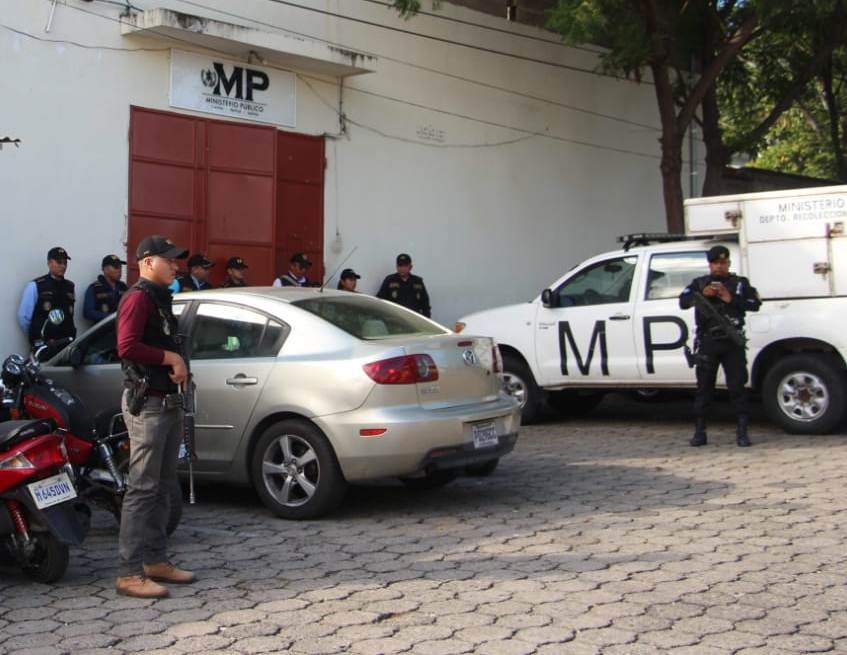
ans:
x=646 y=238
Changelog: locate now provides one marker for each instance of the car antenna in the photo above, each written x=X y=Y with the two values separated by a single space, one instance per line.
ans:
x=343 y=261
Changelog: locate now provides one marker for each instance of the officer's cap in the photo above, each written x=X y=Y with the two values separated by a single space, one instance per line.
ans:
x=199 y=260
x=58 y=254
x=236 y=262
x=404 y=260
x=112 y=260
x=350 y=274
x=300 y=258
x=159 y=246
x=717 y=254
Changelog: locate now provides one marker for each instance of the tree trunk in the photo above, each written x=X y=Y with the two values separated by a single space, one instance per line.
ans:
x=717 y=156
x=671 y=141
x=834 y=123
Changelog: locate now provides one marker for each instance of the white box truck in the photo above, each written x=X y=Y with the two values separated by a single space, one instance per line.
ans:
x=613 y=321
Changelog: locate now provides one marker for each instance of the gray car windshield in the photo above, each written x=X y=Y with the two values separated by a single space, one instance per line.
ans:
x=368 y=318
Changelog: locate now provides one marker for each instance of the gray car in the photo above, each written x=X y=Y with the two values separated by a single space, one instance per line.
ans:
x=301 y=391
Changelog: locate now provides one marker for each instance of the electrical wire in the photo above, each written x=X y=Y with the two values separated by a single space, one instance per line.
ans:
x=441 y=39
x=524 y=131
x=435 y=71
x=85 y=46
x=491 y=28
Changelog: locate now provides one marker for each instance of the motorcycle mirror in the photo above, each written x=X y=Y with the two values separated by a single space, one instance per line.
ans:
x=76 y=356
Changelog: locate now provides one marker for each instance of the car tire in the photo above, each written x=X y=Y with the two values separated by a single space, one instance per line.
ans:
x=519 y=382
x=295 y=471
x=805 y=394
x=482 y=470
x=573 y=403
x=431 y=480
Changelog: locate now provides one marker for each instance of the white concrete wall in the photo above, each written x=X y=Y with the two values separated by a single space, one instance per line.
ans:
x=486 y=225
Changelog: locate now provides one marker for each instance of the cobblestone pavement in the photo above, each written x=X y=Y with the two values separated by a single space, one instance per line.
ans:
x=604 y=535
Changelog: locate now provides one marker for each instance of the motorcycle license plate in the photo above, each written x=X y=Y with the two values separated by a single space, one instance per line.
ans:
x=485 y=435
x=52 y=491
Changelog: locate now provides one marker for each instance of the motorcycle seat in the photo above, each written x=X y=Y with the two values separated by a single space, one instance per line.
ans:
x=13 y=432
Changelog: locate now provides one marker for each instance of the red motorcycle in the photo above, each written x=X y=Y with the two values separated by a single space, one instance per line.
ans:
x=98 y=446
x=41 y=515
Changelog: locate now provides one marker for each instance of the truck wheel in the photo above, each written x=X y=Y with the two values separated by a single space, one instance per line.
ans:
x=574 y=403
x=805 y=394
x=295 y=471
x=520 y=383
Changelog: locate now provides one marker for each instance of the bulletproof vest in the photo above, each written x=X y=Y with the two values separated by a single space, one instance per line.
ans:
x=160 y=331
x=105 y=297
x=230 y=283
x=733 y=314
x=52 y=294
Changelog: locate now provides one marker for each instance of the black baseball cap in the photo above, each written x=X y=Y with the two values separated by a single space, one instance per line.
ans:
x=58 y=254
x=404 y=260
x=349 y=273
x=159 y=246
x=300 y=258
x=112 y=260
x=236 y=262
x=717 y=254
x=199 y=260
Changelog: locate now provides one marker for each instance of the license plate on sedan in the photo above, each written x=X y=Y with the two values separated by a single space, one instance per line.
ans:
x=52 y=491
x=485 y=435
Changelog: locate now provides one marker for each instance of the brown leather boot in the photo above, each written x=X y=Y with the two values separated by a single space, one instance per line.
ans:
x=140 y=586
x=167 y=572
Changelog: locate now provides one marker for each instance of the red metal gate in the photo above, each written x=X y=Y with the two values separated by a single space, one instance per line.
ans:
x=226 y=189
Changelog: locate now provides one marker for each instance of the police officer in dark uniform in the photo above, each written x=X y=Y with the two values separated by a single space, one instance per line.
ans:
x=46 y=311
x=732 y=296
x=404 y=288
x=235 y=273
x=103 y=295
x=198 y=274
x=154 y=369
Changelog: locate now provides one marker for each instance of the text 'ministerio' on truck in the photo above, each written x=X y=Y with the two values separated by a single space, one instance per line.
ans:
x=614 y=322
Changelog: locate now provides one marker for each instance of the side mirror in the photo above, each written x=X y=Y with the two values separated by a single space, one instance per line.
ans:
x=76 y=356
x=548 y=299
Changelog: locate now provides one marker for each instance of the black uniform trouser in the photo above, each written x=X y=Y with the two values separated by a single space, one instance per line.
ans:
x=733 y=358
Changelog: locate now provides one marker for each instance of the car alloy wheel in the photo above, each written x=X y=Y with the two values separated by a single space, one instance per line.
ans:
x=803 y=396
x=290 y=470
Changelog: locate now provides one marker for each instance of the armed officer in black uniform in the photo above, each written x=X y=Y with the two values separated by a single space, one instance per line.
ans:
x=46 y=310
x=103 y=295
x=720 y=338
x=404 y=288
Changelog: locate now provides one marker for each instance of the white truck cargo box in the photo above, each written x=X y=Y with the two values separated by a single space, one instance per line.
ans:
x=793 y=242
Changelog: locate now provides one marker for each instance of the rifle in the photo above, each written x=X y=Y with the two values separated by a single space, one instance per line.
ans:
x=189 y=410
x=724 y=329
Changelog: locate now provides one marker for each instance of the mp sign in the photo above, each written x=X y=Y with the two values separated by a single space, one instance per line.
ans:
x=232 y=88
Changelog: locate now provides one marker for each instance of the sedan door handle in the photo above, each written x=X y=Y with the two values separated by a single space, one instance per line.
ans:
x=241 y=380
x=619 y=317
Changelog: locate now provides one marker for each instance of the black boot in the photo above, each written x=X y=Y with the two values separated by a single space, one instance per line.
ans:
x=741 y=437
x=699 y=438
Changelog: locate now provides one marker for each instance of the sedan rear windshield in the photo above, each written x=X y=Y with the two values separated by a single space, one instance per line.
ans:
x=368 y=318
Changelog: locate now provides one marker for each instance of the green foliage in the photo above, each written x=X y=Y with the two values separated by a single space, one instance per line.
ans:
x=795 y=146
x=408 y=8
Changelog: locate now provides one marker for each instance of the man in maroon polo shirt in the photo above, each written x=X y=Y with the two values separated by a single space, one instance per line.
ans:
x=149 y=352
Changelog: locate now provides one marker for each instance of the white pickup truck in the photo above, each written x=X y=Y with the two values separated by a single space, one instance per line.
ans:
x=614 y=322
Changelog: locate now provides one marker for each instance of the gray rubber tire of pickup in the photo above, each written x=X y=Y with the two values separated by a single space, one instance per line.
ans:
x=805 y=394
x=520 y=383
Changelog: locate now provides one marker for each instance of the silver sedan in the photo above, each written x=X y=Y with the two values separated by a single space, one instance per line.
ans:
x=301 y=391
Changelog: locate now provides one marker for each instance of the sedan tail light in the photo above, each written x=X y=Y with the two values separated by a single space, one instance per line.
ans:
x=498 y=359
x=408 y=369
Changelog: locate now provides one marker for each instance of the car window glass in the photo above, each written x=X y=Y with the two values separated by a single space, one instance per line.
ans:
x=178 y=308
x=224 y=331
x=368 y=318
x=272 y=339
x=605 y=282
x=100 y=347
x=671 y=272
